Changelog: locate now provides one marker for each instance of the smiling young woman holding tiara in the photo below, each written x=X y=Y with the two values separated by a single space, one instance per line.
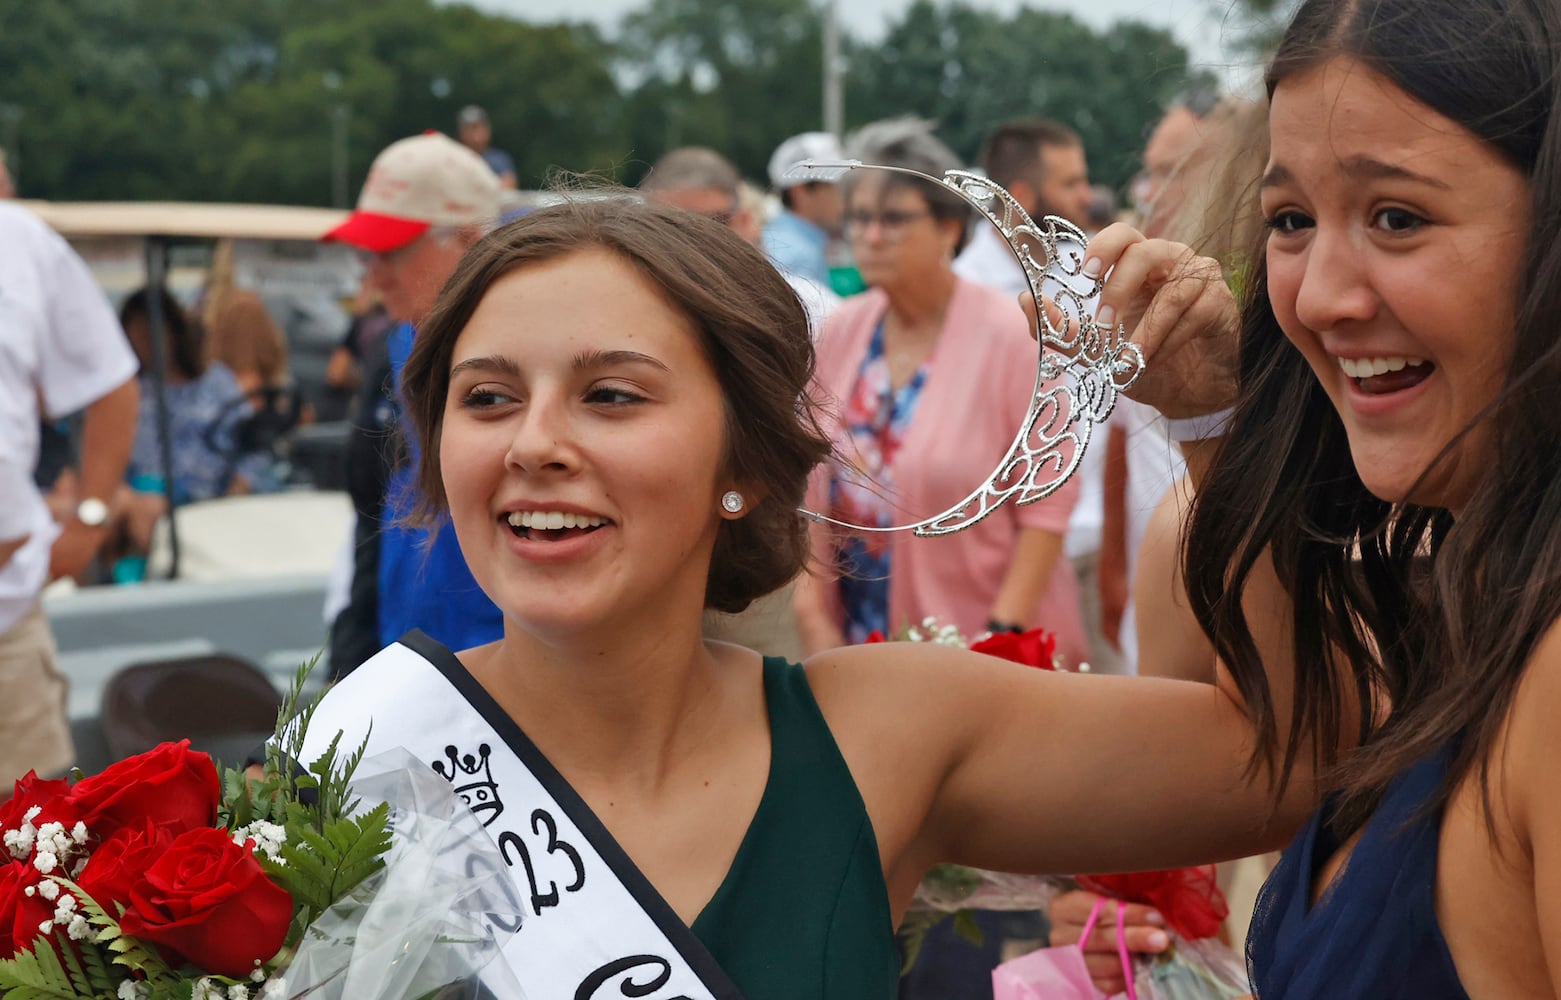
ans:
x=686 y=813
x=689 y=819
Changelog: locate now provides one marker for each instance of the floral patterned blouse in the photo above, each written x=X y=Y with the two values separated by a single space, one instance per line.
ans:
x=861 y=486
x=203 y=412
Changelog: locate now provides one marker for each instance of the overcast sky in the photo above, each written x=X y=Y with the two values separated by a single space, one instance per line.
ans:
x=1197 y=23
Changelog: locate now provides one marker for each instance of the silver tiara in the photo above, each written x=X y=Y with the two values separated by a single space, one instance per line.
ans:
x=1063 y=411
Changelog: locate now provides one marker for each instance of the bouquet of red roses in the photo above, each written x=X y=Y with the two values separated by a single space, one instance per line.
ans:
x=158 y=879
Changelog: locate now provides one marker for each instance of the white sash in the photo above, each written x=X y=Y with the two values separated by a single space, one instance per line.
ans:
x=595 y=928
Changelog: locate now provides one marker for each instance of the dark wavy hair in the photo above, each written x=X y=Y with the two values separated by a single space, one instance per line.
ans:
x=751 y=326
x=1424 y=623
x=184 y=335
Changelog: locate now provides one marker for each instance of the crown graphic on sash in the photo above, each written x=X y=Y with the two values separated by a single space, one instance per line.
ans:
x=481 y=794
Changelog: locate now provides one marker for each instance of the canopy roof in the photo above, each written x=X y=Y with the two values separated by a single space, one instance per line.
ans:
x=186 y=219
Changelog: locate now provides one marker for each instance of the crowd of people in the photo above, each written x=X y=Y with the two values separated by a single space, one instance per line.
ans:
x=1318 y=533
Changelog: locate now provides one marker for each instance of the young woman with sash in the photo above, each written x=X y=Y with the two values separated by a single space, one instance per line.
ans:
x=611 y=400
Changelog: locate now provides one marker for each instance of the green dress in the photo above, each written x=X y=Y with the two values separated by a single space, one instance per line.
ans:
x=803 y=914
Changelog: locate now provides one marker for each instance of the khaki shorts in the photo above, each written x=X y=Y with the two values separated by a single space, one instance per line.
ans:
x=34 y=730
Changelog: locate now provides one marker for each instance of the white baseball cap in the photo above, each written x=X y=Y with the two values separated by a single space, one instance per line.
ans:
x=807 y=146
x=415 y=184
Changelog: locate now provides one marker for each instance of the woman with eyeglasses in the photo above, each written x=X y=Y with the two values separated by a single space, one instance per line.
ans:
x=925 y=377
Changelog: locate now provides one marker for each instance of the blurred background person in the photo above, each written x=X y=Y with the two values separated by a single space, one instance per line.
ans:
x=205 y=405
x=476 y=134
x=242 y=335
x=60 y=352
x=1042 y=164
x=1103 y=209
x=206 y=412
x=702 y=181
x=900 y=361
x=798 y=237
x=426 y=201
x=370 y=322
x=926 y=376
x=1156 y=191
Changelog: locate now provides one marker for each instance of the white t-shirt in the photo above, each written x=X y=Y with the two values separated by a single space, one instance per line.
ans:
x=61 y=349
x=1154 y=464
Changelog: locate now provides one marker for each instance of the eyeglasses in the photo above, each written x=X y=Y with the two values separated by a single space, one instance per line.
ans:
x=725 y=216
x=892 y=224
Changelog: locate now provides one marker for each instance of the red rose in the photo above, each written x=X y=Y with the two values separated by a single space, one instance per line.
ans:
x=1189 y=898
x=51 y=797
x=20 y=914
x=171 y=785
x=208 y=902
x=874 y=636
x=120 y=862
x=1034 y=648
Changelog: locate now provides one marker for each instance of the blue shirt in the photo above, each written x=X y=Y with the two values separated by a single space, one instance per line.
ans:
x=498 y=161
x=425 y=585
x=798 y=246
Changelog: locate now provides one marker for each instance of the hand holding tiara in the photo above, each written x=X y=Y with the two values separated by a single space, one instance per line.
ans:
x=1180 y=313
x=1098 y=360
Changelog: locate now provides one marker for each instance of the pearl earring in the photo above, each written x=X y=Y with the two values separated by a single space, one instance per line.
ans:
x=732 y=501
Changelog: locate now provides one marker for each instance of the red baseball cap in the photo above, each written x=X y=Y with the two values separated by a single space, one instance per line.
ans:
x=415 y=184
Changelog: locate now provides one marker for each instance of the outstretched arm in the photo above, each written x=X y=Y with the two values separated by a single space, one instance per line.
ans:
x=961 y=757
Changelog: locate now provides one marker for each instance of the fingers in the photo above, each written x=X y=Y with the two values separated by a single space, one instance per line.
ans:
x=1187 y=292
x=1107 y=247
x=1068 y=913
x=1105 y=971
x=1142 y=926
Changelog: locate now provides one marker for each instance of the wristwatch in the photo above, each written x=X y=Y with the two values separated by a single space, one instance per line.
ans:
x=92 y=512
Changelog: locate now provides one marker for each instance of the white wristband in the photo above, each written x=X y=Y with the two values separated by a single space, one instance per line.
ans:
x=1201 y=428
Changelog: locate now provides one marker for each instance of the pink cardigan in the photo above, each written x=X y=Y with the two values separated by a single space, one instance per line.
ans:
x=977 y=391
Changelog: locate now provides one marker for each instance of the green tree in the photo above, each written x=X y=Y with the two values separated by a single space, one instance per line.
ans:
x=178 y=99
x=736 y=77
x=968 y=70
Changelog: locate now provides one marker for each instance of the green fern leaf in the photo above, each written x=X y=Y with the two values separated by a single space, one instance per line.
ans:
x=98 y=973
x=73 y=966
x=36 y=975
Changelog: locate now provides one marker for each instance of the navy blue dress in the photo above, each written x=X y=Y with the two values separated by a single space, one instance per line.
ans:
x=1373 y=934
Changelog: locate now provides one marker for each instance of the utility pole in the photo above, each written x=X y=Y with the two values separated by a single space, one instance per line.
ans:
x=341 y=115
x=834 y=115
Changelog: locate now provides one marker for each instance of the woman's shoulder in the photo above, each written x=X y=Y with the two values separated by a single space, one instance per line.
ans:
x=852 y=314
x=1533 y=740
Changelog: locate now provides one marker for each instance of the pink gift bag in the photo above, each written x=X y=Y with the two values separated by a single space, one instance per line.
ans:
x=1059 y=973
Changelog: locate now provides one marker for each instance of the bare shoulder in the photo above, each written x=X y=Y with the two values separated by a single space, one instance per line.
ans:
x=1533 y=740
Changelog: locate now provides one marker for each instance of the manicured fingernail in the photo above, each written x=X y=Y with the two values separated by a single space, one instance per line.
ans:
x=1153 y=917
x=1158 y=940
x=1107 y=317
x=1092 y=267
